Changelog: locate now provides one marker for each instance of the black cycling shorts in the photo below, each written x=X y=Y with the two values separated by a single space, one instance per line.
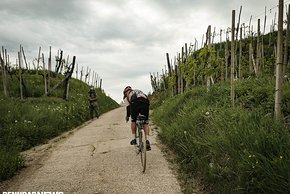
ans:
x=137 y=107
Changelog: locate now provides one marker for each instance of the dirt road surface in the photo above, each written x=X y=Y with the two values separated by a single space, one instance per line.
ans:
x=95 y=158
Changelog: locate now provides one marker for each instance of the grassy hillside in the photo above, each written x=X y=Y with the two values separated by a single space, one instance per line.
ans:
x=232 y=150
x=37 y=118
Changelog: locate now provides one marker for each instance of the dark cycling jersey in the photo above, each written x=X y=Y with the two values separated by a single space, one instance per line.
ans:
x=139 y=103
x=137 y=95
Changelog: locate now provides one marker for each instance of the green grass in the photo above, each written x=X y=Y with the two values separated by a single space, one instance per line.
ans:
x=234 y=150
x=37 y=118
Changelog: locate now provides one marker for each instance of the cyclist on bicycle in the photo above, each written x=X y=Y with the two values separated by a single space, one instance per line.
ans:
x=138 y=103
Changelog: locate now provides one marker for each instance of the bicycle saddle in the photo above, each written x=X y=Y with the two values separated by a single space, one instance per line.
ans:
x=141 y=117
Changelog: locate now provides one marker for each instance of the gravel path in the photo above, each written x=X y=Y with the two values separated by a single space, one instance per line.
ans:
x=96 y=158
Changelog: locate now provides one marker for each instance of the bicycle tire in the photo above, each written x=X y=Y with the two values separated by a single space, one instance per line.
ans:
x=143 y=149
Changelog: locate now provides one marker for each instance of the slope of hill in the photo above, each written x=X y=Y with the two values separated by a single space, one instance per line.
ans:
x=239 y=149
x=38 y=118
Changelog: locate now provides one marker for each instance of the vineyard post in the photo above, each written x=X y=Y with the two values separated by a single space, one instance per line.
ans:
x=59 y=62
x=274 y=23
x=93 y=77
x=258 y=52
x=66 y=81
x=208 y=40
x=236 y=45
x=22 y=50
x=240 y=54
x=38 y=59
x=62 y=64
x=176 y=78
x=49 y=68
x=86 y=76
x=169 y=71
x=164 y=80
x=101 y=83
x=151 y=79
x=182 y=55
x=56 y=61
x=262 y=43
x=181 y=71
x=250 y=55
x=213 y=36
x=82 y=73
x=44 y=75
x=185 y=60
x=7 y=61
x=20 y=76
x=279 y=62
x=158 y=82
x=168 y=64
x=98 y=80
x=49 y=59
x=194 y=74
x=77 y=71
x=177 y=73
x=89 y=76
x=195 y=44
x=186 y=51
x=218 y=56
x=67 y=61
x=233 y=59
x=226 y=55
x=4 y=74
x=3 y=68
x=285 y=61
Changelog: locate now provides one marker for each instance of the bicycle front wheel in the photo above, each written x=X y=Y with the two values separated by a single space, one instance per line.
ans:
x=142 y=144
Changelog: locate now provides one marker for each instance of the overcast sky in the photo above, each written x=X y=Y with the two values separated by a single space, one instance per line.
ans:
x=122 y=40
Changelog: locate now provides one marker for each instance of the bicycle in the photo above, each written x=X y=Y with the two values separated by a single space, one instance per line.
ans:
x=141 y=140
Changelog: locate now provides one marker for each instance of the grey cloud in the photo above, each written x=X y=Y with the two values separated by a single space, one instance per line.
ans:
x=123 y=40
x=44 y=9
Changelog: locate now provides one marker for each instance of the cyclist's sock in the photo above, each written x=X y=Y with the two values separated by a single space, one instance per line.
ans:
x=133 y=136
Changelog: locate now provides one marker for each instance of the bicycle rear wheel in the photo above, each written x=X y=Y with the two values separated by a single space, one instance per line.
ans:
x=142 y=147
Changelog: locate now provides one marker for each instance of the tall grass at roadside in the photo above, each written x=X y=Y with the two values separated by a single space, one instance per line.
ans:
x=241 y=149
x=35 y=120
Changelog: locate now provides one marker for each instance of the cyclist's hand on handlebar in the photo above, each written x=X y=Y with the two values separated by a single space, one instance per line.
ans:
x=127 y=119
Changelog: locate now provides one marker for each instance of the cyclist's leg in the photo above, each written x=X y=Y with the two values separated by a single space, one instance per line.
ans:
x=146 y=129
x=134 y=114
x=144 y=110
x=91 y=111
x=97 y=111
x=133 y=127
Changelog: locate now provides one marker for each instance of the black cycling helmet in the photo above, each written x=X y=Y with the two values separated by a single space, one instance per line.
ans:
x=127 y=88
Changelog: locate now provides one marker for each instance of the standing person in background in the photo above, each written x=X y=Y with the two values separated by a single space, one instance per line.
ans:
x=138 y=103
x=93 y=104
